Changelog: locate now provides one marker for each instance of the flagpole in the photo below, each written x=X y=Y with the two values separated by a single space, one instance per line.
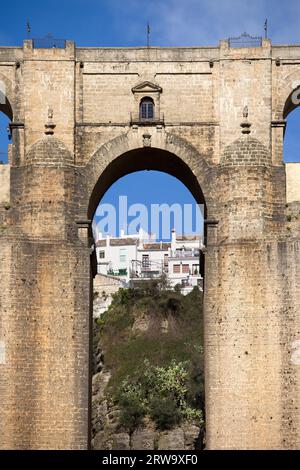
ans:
x=28 y=29
x=148 y=35
x=266 y=28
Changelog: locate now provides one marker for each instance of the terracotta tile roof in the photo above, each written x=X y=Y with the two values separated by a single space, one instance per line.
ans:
x=101 y=243
x=183 y=238
x=157 y=246
x=123 y=241
x=117 y=242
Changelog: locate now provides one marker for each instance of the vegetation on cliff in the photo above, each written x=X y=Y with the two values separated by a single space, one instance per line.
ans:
x=152 y=343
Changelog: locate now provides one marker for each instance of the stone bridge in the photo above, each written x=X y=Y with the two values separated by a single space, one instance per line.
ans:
x=218 y=125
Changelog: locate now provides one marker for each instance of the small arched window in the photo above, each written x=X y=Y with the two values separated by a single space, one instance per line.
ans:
x=147 y=109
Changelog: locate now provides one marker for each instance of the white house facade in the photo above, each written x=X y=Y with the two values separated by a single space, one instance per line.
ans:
x=135 y=258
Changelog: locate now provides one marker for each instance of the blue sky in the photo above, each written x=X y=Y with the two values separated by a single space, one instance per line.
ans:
x=173 y=23
x=154 y=187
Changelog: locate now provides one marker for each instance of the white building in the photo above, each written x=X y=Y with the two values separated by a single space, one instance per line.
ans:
x=185 y=261
x=114 y=255
x=139 y=257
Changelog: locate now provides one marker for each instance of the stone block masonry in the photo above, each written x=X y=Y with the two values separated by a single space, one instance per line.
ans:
x=72 y=137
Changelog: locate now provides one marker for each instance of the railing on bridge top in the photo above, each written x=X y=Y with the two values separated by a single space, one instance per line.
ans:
x=49 y=42
x=245 y=40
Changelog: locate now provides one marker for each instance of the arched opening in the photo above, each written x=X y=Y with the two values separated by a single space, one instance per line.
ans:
x=6 y=116
x=148 y=315
x=147 y=109
x=147 y=158
x=291 y=113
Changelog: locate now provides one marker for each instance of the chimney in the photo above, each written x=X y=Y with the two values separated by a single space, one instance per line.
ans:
x=122 y=233
x=107 y=240
x=173 y=240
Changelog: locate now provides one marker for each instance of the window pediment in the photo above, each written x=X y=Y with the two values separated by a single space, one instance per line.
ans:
x=146 y=87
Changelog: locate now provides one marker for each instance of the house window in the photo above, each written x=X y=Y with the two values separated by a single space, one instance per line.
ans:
x=196 y=269
x=176 y=268
x=185 y=268
x=147 y=109
x=123 y=255
x=166 y=263
x=101 y=254
x=145 y=261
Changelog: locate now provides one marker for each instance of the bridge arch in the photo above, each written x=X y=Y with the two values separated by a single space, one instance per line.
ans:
x=286 y=117
x=127 y=154
x=6 y=97
x=286 y=87
x=130 y=153
x=6 y=116
x=286 y=100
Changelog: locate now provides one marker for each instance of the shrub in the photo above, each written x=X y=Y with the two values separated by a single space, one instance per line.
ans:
x=133 y=407
x=132 y=413
x=161 y=393
x=164 y=412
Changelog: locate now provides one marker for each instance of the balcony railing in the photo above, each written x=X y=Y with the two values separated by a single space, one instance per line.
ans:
x=185 y=254
x=117 y=272
x=156 y=120
x=146 y=269
x=189 y=283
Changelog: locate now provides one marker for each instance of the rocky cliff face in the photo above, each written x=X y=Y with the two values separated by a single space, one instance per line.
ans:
x=115 y=334
x=108 y=435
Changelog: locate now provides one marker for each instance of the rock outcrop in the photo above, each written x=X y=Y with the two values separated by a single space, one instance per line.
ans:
x=108 y=435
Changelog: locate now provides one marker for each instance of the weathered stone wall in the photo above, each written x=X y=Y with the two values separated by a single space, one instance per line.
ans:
x=103 y=289
x=252 y=268
x=4 y=184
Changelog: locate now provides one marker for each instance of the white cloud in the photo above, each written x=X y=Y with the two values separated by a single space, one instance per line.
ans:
x=205 y=22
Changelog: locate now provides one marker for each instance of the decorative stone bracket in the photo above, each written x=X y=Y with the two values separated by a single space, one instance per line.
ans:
x=280 y=123
x=211 y=222
x=147 y=140
x=211 y=233
x=245 y=124
x=50 y=126
x=15 y=125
